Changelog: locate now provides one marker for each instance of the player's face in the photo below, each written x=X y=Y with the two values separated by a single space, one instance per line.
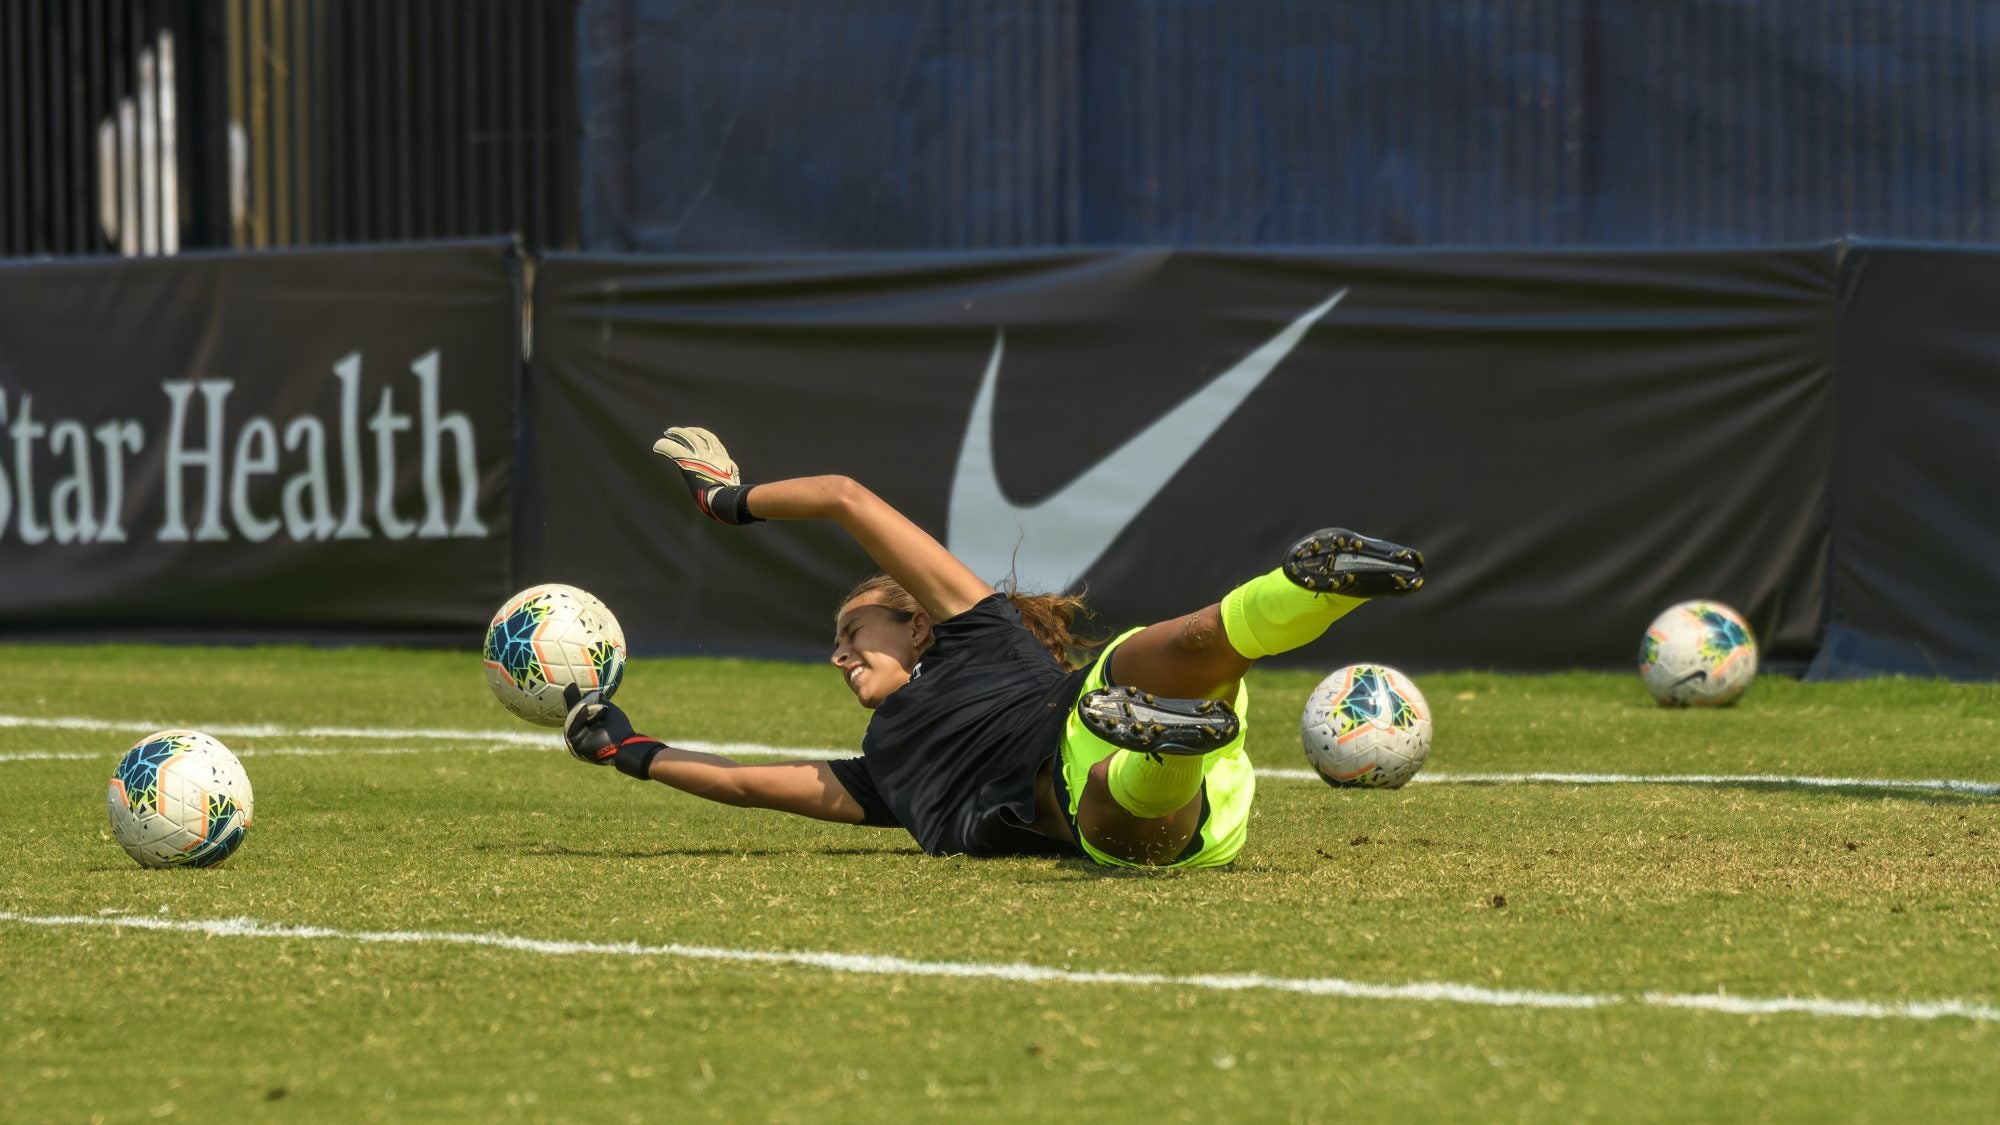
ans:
x=875 y=648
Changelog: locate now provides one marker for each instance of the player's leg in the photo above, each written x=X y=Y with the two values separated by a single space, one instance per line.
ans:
x=1156 y=782
x=1188 y=657
x=1133 y=766
x=1324 y=577
x=1112 y=830
x=1208 y=831
x=1169 y=696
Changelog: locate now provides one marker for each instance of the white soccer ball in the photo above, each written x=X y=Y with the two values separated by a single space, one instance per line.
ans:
x=1366 y=727
x=545 y=638
x=179 y=799
x=1699 y=654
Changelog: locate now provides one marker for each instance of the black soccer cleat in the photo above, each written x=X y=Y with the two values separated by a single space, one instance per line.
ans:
x=1334 y=560
x=1136 y=720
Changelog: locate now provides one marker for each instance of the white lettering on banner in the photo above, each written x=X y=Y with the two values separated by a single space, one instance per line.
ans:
x=387 y=424
x=310 y=484
x=256 y=453
x=24 y=431
x=275 y=475
x=6 y=487
x=74 y=515
x=71 y=503
x=209 y=458
x=348 y=371
x=435 y=426
x=118 y=438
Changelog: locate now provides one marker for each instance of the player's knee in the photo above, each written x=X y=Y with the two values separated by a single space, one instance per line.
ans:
x=1100 y=776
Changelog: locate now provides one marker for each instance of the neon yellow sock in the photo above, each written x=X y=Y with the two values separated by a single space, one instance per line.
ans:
x=1152 y=787
x=1269 y=615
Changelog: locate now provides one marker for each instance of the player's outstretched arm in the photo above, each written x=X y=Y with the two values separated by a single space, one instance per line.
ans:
x=944 y=586
x=598 y=732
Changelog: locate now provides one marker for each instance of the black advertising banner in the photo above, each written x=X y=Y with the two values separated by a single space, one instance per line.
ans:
x=1576 y=440
x=305 y=444
x=1915 y=585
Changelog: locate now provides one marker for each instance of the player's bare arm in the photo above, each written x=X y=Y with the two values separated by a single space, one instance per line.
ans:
x=597 y=731
x=944 y=586
x=804 y=788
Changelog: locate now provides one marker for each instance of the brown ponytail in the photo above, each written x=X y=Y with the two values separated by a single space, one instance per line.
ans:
x=1053 y=619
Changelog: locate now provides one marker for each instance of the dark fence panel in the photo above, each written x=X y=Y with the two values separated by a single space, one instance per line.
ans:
x=103 y=117
x=146 y=127
x=813 y=125
x=272 y=446
x=1915 y=582
x=1577 y=440
x=373 y=120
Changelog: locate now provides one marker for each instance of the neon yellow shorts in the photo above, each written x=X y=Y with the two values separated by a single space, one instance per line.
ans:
x=1227 y=779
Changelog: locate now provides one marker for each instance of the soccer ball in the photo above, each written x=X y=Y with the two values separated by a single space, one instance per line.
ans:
x=547 y=637
x=179 y=799
x=1366 y=727
x=1698 y=653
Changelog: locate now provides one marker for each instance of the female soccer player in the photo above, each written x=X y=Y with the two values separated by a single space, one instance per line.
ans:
x=984 y=741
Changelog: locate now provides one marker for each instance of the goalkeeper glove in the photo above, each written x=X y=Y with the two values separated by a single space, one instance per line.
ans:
x=709 y=472
x=596 y=731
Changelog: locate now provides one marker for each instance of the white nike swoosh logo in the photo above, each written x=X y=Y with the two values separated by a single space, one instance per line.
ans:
x=1049 y=545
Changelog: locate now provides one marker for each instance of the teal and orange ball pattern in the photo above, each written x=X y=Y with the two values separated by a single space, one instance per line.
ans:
x=137 y=778
x=1366 y=726
x=1723 y=633
x=1698 y=654
x=609 y=661
x=510 y=640
x=179 y=798
x=546 y=638
x=1370 y=698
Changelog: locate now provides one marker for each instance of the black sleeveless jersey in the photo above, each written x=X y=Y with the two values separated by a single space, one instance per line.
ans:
x=952 y=755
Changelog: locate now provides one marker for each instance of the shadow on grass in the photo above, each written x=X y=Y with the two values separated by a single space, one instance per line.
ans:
x=1074 y=867
x=662 y=853
x=1077 y=867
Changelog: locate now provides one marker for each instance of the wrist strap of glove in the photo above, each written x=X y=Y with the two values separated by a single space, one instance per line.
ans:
x=635 y=756
x=730 y=503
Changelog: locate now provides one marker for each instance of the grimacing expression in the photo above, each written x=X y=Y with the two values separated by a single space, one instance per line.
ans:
x=876 y=647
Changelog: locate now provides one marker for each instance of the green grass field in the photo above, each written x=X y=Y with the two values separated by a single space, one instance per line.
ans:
x=343 y=995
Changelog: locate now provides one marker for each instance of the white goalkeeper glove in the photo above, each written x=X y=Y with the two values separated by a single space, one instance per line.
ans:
x=709 y=472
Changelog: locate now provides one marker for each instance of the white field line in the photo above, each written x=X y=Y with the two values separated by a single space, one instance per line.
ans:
x=225 y=730
x=1934 y=784
x=869 y=964
x=1943 y=784
x=495 y=740
x=548 y=739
